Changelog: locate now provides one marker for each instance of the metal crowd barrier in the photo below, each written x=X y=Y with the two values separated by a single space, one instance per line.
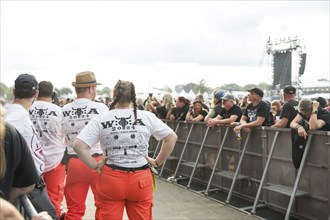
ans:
x=26 y=208
x=258 y=178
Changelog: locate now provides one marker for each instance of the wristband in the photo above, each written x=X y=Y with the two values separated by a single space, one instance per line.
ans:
x=298 y=126
x=314 y=111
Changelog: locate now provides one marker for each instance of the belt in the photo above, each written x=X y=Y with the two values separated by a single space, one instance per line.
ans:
x=127 y=169
x=76 y=156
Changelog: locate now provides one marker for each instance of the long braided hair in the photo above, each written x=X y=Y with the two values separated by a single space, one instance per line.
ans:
x=124 y=92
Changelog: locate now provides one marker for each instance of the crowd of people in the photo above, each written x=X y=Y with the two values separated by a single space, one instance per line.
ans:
x=51 y=150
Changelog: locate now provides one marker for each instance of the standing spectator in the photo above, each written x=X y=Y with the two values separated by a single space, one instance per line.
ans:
x=289 y=109
x=25 y=92
x=139 y=103
x=230 y=112
x=310 y=117
x=322 y=101
x=310 y=111
x=15 y=168
x=196 y=112
x=162 y=108
x=108 y=101
x=216 y=106
x=256 y=113
x=149 y=99
x=179 y=112
x=46 y=118
x=18 y=174
x=126 y=180
x=201 y=98
x=76 y=116
x=327 y=106
x=244 y=102
x=275 y=111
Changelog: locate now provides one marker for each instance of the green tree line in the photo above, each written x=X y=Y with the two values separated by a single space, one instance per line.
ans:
x=198 y=88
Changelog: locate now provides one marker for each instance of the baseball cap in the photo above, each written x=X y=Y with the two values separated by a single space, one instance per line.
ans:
x=26 y=82
x=322 y=101
x=219 y=94
x=228 y=97
x=257 y=91
x=289 y=90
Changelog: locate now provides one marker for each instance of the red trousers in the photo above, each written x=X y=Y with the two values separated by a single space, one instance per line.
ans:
x=118 y=189
x=79 y=178
x=55 y=180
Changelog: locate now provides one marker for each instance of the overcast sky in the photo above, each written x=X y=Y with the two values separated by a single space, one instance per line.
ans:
x=154 y=43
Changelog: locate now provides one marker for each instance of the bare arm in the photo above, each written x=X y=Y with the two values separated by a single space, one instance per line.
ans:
x=83 y=152
x=281 y=123
x=213 y=121
x=165 y=151
x=15 y=192
x=228 y=120
x=241 y=122
x=315 y=123
x=255 y=123
x=150 y=107
x=189 y=116
x=295 y=125
x=8 y=211
x=198 y=118
x=157 y=102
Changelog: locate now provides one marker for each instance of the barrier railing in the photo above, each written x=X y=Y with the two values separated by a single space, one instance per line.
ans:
x=261 y=174
x=26 y=208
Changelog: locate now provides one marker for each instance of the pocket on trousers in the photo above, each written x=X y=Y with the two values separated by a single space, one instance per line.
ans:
x=145 y=192
x=145 y=182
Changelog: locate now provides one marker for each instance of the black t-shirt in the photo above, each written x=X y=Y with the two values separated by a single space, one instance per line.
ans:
x=289 y=111
x=234 y=110
x=161 y=112
x=321 y=114
x=260 y=110
x=20 y=170
x=180 y=113
x=325 y=116
x=202 y=113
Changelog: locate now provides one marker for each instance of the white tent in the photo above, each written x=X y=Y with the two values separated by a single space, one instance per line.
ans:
x=174 y=94
x=316 y=95
x=144 y=92
x=183 y=93
x=191 y=95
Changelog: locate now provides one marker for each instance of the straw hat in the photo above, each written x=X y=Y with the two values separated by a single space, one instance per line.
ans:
x=85 y=79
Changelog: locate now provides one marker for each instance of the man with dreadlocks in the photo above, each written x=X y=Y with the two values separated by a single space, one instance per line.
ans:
x=76 y=116
x=125 y=180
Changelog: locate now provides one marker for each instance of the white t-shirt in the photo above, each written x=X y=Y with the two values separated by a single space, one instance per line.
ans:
x=17 y=116
x=46 y=119
x=75 y=116
x=125 y=140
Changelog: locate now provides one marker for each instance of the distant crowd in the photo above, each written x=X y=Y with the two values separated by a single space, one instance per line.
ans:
x=222 y=109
